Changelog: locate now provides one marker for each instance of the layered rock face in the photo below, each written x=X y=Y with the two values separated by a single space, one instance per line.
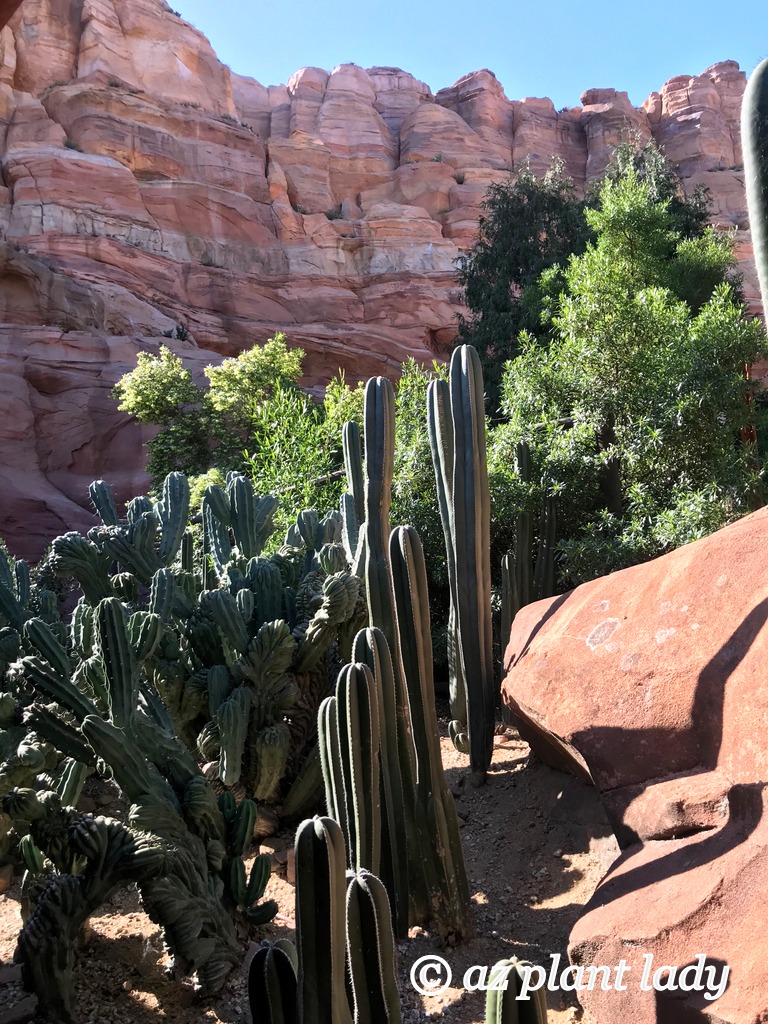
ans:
x=651 y=683
x=146 y=186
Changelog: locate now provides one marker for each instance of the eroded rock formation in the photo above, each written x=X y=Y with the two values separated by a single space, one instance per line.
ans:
x=651 y=683
x=145 y=185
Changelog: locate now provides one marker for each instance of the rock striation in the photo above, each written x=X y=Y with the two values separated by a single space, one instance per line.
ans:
x=650 y=683
x=145 y=186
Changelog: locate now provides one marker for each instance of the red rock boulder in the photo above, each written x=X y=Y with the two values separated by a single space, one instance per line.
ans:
x=651 y=682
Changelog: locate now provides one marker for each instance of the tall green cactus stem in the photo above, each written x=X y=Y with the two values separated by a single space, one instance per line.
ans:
x=463 y=486
x=119 y=661
x=356 y=718
x=544 y=574
x=754 y=138
x=330 y=762
x=353 y=501
x=371 y=952
x=436 y=811
x=501 y=1003
x=306 y=788
x=379 y=409
x=371 y=649
x=440 y=427
x=471 y=531
x=379 y=417
x=216 y=542
x=353 y=466
x=320 y=886
x=251 y=516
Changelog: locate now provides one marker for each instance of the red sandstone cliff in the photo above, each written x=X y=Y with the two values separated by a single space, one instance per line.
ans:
x=145 y=185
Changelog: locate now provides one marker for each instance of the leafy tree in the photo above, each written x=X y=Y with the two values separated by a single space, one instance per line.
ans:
x=161 y=392
x=201 y=428
x=295 y=451
x=531 y=224
x=651 y=377
x=528 y=224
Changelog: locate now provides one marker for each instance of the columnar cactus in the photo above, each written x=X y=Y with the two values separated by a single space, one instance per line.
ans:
x=754 y=138
x=371 y=649
x=197 y=896
x=442 y=856
x=502 y=1005
x=273 y=985
x=534 y=573
x=379 y=413
x=344 y=966
x=350 y=760
x=459 y=455
x=320 y=884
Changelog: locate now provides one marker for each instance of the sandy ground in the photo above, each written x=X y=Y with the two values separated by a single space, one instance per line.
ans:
x=536 y=843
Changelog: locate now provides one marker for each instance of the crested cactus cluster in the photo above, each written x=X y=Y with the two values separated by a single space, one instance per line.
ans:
x=240 y=650
x=190 y=872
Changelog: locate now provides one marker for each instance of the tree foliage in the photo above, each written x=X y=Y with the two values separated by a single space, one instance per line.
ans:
x=528 y=224
x=650 y=374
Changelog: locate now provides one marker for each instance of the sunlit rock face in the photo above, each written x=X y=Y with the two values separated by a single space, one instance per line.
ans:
x=145 y=185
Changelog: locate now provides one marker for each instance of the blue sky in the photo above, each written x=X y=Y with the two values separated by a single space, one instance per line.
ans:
x=545 y=48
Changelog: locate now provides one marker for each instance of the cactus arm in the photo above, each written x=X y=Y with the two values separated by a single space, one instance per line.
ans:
x=523 y=531
x=103 y=501
x=544 y=575
x=330 y=760
x=272 y=747
x=307 y=787
x=119 y=661
x=357 y=719
x=441 y=442
x=232 y=718
x=215 y=537
x=55 y=731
